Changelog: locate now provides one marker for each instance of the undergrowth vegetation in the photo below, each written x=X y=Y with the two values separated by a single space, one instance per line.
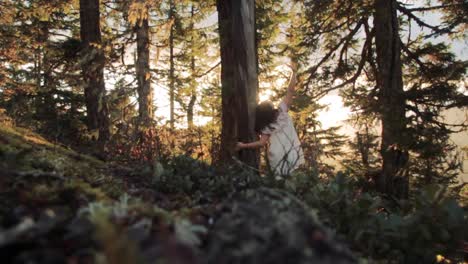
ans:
x=59 y=205
x=413 y=231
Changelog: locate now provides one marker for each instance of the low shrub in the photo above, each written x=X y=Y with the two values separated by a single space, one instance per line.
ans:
x=183 y=174
x=413 y=231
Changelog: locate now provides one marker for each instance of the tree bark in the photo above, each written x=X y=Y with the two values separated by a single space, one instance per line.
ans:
x=145 y=93
x=391 y=99
x=44 y=96
x=190 y=106
x=238 y=77
x=171 y=68
x=93 y=68
x=363 y=147
x=193 y=96
x=193 y=84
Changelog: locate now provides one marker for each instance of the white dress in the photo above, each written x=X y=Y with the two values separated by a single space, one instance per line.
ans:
x=284 y=151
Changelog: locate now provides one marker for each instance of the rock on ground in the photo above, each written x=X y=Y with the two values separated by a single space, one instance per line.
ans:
x=272 y=226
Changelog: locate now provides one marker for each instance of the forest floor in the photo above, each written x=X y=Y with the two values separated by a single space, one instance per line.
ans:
x=60 y=206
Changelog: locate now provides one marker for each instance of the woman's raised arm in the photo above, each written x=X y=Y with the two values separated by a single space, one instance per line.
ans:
x=292 y=86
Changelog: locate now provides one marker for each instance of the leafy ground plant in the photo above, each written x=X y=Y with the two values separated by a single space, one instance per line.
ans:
x=413 y=231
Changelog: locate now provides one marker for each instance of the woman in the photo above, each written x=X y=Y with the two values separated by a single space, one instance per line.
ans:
x=277 y=131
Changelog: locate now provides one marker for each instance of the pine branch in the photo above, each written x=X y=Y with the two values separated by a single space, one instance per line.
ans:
x=421 y=23
x=362 y=62
x=314 y=69
x=413 y=56
x=329 y=30
x=432 y=8
x=211 y=69
x=462 y=126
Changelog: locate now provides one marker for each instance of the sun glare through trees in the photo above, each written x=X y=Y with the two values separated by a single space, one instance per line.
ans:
x=233 y=131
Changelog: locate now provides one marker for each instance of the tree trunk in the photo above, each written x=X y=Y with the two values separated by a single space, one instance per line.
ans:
x=257 y=42
x=48 y=88
x=145 y=93
x=171 y=68
x=363 y=147
x=391 y=99
x=93 y=68
x=238 y=77
x=193 y=84
x=190 y=107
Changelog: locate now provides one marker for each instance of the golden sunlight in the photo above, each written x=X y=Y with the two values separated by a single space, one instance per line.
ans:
x=265 y=95
x=335 y=113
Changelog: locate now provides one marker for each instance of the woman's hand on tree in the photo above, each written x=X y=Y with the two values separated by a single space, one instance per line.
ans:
x=239 y=146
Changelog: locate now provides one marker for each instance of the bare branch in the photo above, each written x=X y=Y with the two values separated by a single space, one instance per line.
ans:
x=435 y=29
x=362 y=62
x=351 y=34
x=413 y=56
x=211 y=69
x=432 y=8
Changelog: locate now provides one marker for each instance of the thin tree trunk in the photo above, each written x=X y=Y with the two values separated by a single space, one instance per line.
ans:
x=171 y=69
x=391 y=98
x=48 y=89
x=238 y=77
x=190 y=113
x=93 y=68
x=39 y=65
x=193 y=90
x=257 y=43
x=193 y=96
x=363 y=147
x=145 y=93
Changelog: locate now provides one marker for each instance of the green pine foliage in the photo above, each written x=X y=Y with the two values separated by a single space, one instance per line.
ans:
x=341 y=34
x=156 y=193
x=41 y=87
x=403 y=232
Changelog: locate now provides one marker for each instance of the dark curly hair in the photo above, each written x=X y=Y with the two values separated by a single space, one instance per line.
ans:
x=265 y=115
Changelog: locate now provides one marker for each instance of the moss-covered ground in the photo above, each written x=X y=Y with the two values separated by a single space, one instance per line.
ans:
x=61 y=206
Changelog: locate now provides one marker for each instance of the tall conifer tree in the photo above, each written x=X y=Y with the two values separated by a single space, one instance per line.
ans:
x=93 y=68
x=238 y=76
